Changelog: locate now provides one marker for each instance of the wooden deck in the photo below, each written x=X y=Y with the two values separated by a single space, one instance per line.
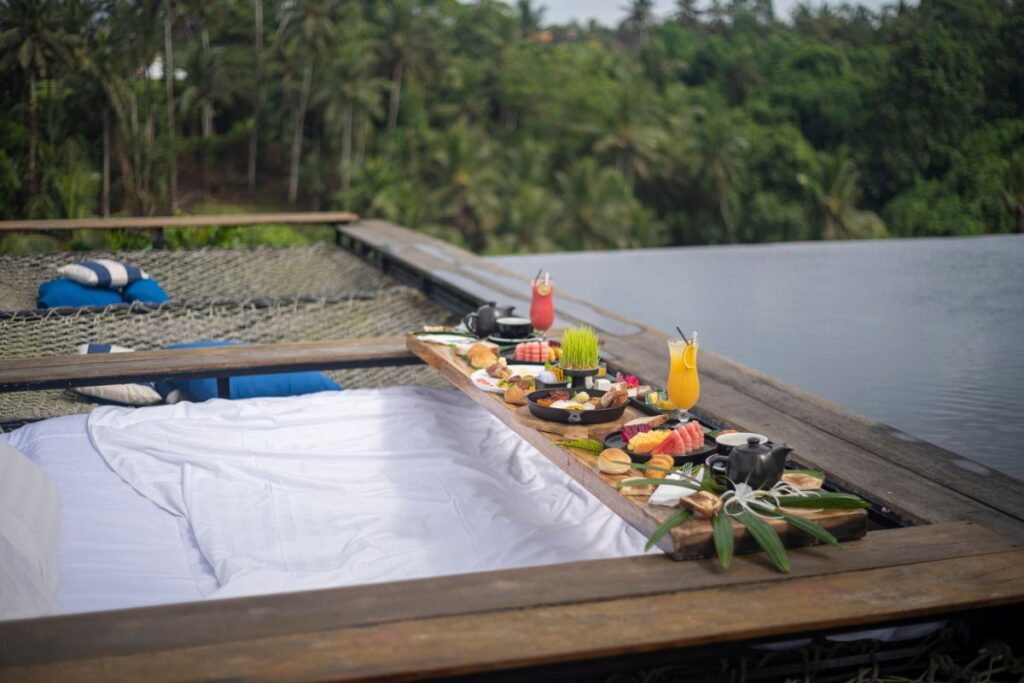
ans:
x=963 y=556
x=510 y=619
x=918 y=481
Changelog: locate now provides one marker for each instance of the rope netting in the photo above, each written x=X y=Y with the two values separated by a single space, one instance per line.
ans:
x=208 y=274
x=386 y=310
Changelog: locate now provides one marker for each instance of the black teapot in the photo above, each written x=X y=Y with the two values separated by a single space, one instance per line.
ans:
x=483 y=322
x=757 y=464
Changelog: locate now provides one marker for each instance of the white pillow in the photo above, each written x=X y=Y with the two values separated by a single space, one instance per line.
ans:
x=135 y=394
x=29 y=523
x=105 y=273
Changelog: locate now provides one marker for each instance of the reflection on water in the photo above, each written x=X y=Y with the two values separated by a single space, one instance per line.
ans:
x=926 y=335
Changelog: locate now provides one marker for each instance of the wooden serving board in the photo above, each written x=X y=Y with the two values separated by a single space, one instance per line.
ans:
x=689 y=541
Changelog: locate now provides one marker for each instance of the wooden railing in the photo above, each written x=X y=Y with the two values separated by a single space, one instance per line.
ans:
x=235 y=220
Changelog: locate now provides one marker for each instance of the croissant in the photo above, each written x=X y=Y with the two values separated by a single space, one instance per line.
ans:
x=481 y=356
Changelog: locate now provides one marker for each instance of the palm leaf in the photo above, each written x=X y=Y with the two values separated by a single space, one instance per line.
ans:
x=658 y=482
x=825 y=501
x=721 y=525
x=766 y=537
x=811 y=527
x=674 y=520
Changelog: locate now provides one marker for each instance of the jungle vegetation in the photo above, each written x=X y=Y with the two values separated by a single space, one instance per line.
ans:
x=481 y=123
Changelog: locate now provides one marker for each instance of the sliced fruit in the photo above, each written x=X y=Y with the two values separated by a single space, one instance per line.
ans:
x=672 y=445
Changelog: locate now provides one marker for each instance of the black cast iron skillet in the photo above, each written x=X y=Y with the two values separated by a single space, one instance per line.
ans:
x=585 y=417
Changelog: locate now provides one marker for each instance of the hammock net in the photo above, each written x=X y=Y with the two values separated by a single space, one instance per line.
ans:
x=252 y=295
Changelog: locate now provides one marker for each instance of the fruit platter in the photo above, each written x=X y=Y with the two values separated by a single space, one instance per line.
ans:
x=644 y=437
x=539 y=352
x=582 y=407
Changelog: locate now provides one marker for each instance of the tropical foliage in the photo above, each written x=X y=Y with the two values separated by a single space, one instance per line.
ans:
x=479 y=123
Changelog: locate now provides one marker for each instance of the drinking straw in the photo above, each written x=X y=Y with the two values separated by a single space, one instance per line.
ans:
x=537 y=278
x=682 y=335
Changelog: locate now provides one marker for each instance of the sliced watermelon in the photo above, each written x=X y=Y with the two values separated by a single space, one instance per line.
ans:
x=698 y=435
x=672 y=445
x=687 y=438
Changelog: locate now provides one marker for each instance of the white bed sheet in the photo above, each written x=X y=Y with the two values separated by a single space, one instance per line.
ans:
x=354 y=487
x=117 y=549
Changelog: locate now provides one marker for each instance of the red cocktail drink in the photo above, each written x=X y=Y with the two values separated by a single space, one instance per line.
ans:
x=542 y=305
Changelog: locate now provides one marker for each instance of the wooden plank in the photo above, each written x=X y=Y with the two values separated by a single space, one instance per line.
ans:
x=490 y=641
x=136 y=631
x=692 y=540
x=48 y=372
x=237 y=220
x=901 y=473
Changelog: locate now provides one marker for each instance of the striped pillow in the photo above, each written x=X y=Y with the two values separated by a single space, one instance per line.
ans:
x=137 y=394
x=104 y=273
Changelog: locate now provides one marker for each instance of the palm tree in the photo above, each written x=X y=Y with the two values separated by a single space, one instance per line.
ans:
x=404 y=33
x=31 y=38
x=835 y=193
x=261 y=93
x=639 y=20
x=594 y=198
x=169 y=82
x=467 y=182
x=687 y=13
x=209 y=85
x=1013 y=189
x=351 y=88
x=531 y=18
x=309 y=37
x=718 y=148
x=628 y=133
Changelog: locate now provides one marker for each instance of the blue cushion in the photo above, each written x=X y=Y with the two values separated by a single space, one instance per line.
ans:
x=146 y=291
x=61 y=292
x=104 y=273
x=249 y=386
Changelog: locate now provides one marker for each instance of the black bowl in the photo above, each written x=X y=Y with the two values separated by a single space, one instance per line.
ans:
x=585 y=417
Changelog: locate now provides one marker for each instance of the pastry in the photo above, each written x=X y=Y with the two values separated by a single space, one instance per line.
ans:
x=481 y=355
x=613 y=461
x=614 y=398
x=802 y=481
x=703 y=503
x=652 y=422
x=635 y=490
x=664 y=463
x=515 y=395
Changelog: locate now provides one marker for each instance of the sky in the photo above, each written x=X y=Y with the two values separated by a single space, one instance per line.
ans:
x=610 y=12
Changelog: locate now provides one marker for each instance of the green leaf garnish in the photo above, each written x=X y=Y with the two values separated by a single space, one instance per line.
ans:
x=721 y=525
x=824 y=501
x=592 y=445
x=811 y=527
x=766 y=537
x=674 y=520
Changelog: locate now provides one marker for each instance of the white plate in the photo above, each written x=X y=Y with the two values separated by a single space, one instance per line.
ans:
x=445 y=339
x=484 y=381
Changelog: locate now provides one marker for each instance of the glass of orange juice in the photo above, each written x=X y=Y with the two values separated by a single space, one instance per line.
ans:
x=683 y=382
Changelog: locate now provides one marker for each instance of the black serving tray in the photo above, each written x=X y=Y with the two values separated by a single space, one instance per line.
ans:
x=615 y=440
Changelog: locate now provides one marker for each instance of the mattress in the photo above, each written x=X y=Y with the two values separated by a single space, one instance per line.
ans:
x=117 y=549
x=230 y=498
